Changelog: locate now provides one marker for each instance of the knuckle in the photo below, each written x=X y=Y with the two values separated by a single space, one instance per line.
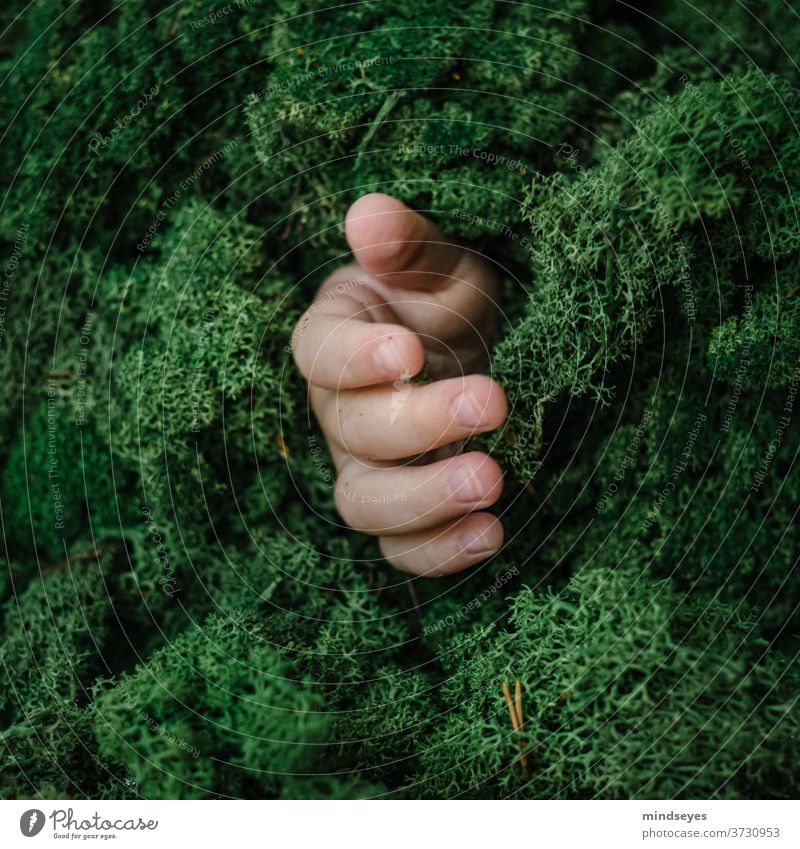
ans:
x=302 y=366
x=351 y=427
x=393 y=554
x=420 y=416
x=321 y=406
x=345 y=499
x=299 y=349
x=343 y=425
x=392 y=253
x=396 y=561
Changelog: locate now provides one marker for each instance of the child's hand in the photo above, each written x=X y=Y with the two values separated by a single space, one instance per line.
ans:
x=413 y=297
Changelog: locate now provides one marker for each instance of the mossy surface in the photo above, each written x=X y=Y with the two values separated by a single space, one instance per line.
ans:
x=183 y=613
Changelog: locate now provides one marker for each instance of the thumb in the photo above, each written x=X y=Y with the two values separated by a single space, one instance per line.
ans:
x=399 y=247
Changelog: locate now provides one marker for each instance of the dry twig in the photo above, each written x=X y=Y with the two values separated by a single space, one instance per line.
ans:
x=514 y=706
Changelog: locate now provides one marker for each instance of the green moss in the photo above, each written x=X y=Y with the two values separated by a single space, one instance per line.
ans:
x=633 y=175
x=217 y=708
x=55 y=630
x=630 y=690
x=51 y=754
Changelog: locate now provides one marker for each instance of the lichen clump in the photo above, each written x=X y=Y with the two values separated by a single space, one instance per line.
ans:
x=183 y=614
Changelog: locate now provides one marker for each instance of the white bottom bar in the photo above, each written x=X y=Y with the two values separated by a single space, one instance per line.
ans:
x=403 y=825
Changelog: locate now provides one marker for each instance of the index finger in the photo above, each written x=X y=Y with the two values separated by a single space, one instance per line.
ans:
x=337 y=345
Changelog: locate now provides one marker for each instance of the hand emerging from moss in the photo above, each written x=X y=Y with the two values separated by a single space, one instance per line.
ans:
x=411 y=299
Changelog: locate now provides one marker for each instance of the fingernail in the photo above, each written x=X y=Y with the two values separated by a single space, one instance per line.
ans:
x=478 y=544
x=389 y=358
x=465 y=485
x=466 y=410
